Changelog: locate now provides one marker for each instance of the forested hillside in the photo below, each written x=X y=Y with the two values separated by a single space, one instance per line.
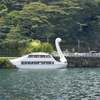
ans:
x=72 y=20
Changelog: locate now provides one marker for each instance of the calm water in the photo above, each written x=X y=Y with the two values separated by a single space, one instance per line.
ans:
x=62 y=84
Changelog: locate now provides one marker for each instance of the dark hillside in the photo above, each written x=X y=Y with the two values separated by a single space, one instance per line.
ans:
x=72 y=20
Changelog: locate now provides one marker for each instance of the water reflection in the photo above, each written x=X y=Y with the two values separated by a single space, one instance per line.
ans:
x=62 y=84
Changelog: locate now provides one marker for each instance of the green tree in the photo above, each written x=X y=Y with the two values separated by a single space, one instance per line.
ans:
x=34 y=20
x=90 y=21
x=3 y=8
x=4 y=64
x=65 y=25
x=31 y=46
x=46 y=47
x=15 y=34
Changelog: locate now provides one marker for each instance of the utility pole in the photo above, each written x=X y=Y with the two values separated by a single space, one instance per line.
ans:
x=89 y=49
x=78 y=45
x=81 y=43
x=47 y=39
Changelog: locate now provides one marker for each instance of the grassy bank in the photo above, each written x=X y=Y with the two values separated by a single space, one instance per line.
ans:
x=4 y=63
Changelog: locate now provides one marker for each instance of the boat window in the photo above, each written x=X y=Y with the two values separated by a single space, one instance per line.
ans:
x=30 y=62
x=30 y=56
x=39 y=56
x=40 y=62
x=42 y=56
x=23 y=63
x=35 y=56
x=36 y=62
x=52 y=62
x=48 y=56
x=43 y=63
x=48 y=62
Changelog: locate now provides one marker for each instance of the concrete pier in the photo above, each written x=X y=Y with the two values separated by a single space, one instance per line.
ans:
x=82 y=62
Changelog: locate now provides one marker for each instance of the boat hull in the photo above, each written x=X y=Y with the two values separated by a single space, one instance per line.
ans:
x=55 y=66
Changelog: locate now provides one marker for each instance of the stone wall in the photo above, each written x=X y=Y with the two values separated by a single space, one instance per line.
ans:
x=78 y=62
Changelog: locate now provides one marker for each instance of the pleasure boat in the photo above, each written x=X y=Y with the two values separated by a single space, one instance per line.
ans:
x=41 y=60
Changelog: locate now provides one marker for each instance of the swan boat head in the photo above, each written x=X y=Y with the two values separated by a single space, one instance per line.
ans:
x=58 y=40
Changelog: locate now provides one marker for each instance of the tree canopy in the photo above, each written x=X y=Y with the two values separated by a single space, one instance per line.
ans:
x=35 y=19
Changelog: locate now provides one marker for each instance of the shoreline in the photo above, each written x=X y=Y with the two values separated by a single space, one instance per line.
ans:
x=73 y=62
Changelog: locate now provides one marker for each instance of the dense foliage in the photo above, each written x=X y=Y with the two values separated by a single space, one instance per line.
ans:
x=4 y=64
x=71 y=20
x=14 y=48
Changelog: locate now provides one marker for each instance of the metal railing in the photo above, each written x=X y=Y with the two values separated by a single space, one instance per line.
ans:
x=78 y=54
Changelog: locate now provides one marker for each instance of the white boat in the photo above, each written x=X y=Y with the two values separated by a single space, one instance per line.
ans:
x=40 y=60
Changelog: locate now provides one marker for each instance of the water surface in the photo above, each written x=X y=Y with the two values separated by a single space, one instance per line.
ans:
x=58 y=84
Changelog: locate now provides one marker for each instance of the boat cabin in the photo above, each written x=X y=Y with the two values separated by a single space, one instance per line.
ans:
x=38 y=57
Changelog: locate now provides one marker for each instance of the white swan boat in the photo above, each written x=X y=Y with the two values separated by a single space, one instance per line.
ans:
x=40 y=60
